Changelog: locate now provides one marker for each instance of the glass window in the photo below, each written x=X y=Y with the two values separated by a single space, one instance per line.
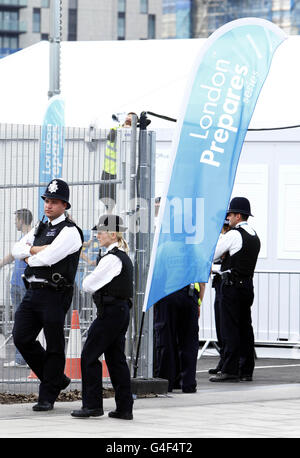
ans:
x=151 y=26
x=144 y=6
x=121 y=26
x=121 y=6
x=36 y=21
x=45 y=3
x=9 y=41
x=72 y=25
x=10 y=20
x=14 y=42
x=6 y=42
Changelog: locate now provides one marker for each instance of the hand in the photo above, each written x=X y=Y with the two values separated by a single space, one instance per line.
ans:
x=36 y=249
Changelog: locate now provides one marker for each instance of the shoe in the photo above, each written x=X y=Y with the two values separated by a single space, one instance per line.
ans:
x=66 y=382
x=246 y=378
x=84 y=412
x=222 y=377
x=177 y=386
x=121 y=415
x=189 y=390
x=214 y=371
x=42 y=406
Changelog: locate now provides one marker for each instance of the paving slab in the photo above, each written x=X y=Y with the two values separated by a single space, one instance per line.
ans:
x=268 y=407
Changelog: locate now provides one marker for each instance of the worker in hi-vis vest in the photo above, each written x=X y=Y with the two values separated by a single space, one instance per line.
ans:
x=107 y=189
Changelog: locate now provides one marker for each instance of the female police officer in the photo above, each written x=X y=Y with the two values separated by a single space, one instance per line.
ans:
x=111 y=284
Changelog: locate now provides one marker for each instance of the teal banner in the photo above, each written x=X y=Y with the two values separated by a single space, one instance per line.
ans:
x=219 y=102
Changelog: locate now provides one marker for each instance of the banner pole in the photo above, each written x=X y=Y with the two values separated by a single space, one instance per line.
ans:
x=138 y=346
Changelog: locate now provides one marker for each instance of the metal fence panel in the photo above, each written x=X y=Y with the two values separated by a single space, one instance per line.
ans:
x=275 y=311
x=82 y=167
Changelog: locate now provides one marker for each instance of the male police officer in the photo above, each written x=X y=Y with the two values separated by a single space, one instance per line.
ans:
x=52 y=252
x=236 y=293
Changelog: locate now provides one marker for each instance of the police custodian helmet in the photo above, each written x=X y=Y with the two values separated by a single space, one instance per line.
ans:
x=111 y=223
x=57 y=189
x=240 y=205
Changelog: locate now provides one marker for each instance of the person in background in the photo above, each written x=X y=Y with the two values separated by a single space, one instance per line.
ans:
x=216 y=282
x=236 y=293
x=23 y=220
x=176 y=330
x=107 y=189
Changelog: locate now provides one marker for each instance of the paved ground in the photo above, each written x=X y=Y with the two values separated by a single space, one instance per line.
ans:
x=268 y=407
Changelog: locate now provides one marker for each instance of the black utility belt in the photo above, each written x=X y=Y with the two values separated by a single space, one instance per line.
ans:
x=232 y=280
x=46 y=285
x=112 y=300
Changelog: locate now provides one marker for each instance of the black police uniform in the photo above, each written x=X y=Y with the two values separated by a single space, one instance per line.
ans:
x=45 y=306
x=216 y=284
x=176 y=331
x=106 y=336
x=236 y=300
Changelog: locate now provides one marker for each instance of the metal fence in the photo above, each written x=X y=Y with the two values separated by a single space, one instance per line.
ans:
x=275 y=311
x=83 y=164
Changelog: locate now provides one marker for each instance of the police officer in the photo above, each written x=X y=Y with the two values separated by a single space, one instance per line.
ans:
x=17 y=289
x=176 y=332
x=111 y=284
x=108 y=189
x=236 y=293
x=51 y=251
x=216 y=284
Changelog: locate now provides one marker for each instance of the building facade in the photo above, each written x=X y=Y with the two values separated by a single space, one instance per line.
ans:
x=200 y=18
x=26 y=22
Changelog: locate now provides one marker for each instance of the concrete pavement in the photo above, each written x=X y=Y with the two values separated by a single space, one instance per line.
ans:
x=268 y=407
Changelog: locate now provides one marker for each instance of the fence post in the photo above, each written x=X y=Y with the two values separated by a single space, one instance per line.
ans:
x=132 y=230
x=145 y=190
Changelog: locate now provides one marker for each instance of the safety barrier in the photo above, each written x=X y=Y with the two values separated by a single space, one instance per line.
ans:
x=275 y=311
x=83 y=163
x=275 y=316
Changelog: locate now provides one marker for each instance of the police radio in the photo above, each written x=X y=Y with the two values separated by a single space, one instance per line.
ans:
x=191 y=289
x=39 y=227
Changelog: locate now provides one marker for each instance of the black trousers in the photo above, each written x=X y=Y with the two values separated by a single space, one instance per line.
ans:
x=43 y=309
x=106 y=336
x=236 y=328
x=176 y=340
x=217 y=310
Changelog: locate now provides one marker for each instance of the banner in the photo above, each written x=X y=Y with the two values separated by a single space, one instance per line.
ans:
x=52 y=146
x=219 y=102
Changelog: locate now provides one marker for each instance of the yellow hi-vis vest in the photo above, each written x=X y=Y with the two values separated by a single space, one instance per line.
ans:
x=110 y=158
x=197 y=288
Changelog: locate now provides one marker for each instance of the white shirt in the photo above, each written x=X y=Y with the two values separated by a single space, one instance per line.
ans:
x=231 y=241
x=67 y=242
x=109 y=267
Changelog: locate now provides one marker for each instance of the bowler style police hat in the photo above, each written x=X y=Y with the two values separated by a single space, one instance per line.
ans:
x=240 y=205
x=111 y=223
x=57 y=189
